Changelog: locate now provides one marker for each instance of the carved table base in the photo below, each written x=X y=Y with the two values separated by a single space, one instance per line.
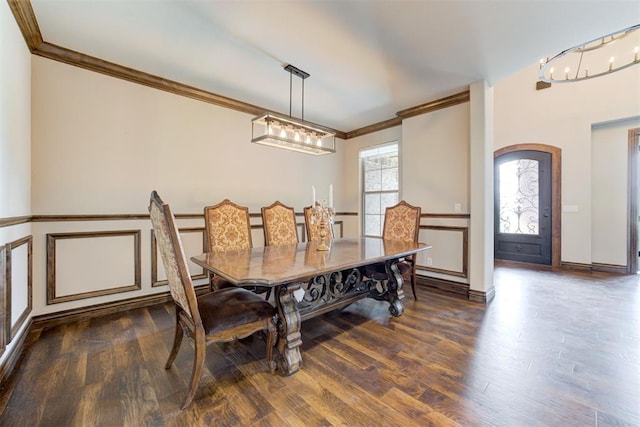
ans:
x=328 y=292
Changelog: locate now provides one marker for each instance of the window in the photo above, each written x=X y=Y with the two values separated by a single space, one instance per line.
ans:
x=380 y=189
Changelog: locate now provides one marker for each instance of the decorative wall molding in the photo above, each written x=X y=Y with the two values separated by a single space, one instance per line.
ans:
x=438 y=104
x=12 y=330
x=118 y=217
x=28 y=24
x=154 y=257
x=3 y=288
x=446 y=215
x=465 y=251
x=15 y=220
x=53 y=298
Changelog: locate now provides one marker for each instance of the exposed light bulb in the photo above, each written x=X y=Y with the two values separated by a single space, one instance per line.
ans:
x=551 y=73
x=566 y=73
x=611 y=63
x=283 y=133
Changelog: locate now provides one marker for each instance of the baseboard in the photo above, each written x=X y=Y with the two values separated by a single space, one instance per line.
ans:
x=83 y=313
x=14 y=354
x=595 y=266
x=449 y=287
x=609 y=268
x=577 y=266
x=518 y=264
x=482 y=297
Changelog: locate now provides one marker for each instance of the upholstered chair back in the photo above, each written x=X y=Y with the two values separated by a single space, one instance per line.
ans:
x=402 y=222
x=227 y=227
x=279 y=222
x=174 y=261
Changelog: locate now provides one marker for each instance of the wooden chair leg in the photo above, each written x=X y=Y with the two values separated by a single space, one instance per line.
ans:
x=272 y=332
x=177 y=340
x=413 y=283
x=198 y=365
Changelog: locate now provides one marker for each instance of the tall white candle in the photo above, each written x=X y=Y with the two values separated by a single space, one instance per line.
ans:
x=330 y=195
x=313 y=192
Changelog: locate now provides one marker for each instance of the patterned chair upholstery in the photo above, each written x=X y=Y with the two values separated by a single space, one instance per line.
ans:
x=279 y=224
x=227 y=227
x=311 y=229
x=219 y=316
x=402 y=222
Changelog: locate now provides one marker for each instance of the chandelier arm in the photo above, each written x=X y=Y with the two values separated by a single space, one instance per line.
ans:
x=579 y=64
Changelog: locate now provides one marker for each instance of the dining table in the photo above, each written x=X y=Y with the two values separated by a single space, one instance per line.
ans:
x=306 y=282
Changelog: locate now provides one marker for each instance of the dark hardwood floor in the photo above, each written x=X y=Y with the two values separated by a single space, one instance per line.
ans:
x=552 y=349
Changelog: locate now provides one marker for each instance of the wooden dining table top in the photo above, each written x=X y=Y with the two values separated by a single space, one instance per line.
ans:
x=275 y=265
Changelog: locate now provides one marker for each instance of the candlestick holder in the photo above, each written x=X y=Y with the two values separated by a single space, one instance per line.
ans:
x=322 y=218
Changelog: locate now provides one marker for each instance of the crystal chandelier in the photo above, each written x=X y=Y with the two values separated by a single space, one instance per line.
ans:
x=598 y=57
x=280 y=131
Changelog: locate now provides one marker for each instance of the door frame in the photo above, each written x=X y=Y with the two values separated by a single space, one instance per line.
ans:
x=556 y=164
x=632 y=202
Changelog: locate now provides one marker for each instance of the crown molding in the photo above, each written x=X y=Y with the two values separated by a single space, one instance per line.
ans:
x=28 y=24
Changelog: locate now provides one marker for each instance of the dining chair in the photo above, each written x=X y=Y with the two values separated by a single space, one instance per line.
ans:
x=227 y=227
x=219 y=316
x=402 y=222
x=311 y=228
x=279 y=224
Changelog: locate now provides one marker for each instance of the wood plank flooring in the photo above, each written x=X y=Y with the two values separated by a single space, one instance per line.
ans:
x=552 y=349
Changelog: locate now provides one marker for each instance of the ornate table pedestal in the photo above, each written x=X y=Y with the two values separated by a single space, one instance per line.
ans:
x=308 y=282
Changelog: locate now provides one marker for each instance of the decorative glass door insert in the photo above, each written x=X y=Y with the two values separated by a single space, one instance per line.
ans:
x=519 y=196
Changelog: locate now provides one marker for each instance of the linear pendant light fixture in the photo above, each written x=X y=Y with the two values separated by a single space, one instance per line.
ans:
x=289 y=133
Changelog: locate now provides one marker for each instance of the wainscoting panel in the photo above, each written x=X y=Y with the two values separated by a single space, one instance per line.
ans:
x=99 y=263
x=192 y=244
x=18 y=293
x=449 y=254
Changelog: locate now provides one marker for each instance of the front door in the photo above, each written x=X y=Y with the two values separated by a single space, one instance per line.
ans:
x=523 y=207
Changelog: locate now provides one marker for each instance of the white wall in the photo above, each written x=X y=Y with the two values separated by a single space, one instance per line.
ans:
x=609 y=186
x=562 y=116
x=101 y=145
x=15 y=151
x=435 y=159
x=15 y=125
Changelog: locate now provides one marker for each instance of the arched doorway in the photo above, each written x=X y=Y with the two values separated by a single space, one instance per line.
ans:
x=527 y=213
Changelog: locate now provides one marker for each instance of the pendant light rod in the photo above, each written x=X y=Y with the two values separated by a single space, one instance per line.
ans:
x=299 y=73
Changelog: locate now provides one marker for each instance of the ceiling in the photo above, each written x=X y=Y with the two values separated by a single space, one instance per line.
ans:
x=367 y=59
